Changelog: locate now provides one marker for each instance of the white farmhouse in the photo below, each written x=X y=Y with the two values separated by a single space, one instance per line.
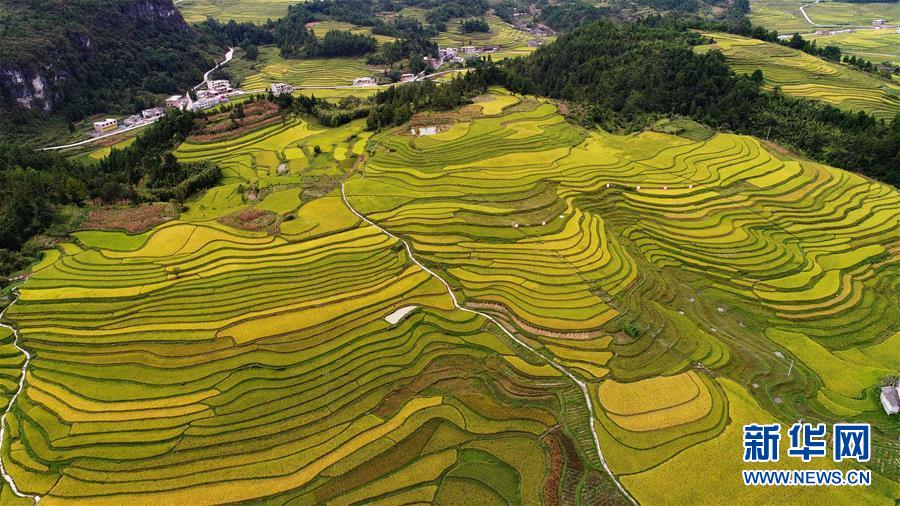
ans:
x=105 y=125
x=176 y=102
x=204 y=103
x=364 y=81
x=151 y=113
x=219 y=85
x=281 y=88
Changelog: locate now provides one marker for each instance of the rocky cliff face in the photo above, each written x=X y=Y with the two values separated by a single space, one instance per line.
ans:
x=27 y=88
x=37 y=76
x=155 y=11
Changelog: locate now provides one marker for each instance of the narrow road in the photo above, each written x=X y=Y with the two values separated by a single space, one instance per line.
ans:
x=803 y=11
x=12 y=400
x=228 y=55
x=581 y=384
x=97 y=138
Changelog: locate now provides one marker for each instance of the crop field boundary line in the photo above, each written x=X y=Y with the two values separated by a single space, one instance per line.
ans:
x=581 y=384
x=9 y=480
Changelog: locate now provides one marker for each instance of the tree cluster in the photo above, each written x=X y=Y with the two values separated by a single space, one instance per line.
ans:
x=566 y=16
x=414 y=43
x=446 y=11
x=475 y=25
x=236 y=34
x=327 y=113
x=33 y=184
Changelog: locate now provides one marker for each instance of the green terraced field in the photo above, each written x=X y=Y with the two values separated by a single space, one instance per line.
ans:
x=257 y=11
x=512 y=42
x=873 y=45
x=785 y=16
x=803 y=75
x=272 y=68
x=205 y=362
x=853 y=14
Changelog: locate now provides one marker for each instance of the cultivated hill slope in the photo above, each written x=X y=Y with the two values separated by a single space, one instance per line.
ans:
x=803 y=75
x=654 y=290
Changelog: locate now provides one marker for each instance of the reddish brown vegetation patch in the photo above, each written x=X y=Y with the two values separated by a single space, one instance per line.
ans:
x=551 y=484
x=572 y=473
x=133 y=219
x=255 y=220
x=226 y=125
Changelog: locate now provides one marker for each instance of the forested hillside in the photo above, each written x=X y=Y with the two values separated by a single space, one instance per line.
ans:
x=79 y=57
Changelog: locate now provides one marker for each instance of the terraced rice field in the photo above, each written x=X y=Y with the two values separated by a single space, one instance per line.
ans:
x=272 y=68
x=512 y=42
x=566 y=235
x=853 y=14
x=873 y=45
x=200 y=362
x=785 y=16
x=803 y=75
x=257 y=11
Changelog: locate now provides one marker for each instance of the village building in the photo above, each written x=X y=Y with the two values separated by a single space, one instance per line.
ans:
x=281 y=88
x=204 y=103
x=105 y=125
x=541 y=31
x=405 y=78
x=430 y=62
x=206 y=94
x=364 y=81
x=878 y=22
x=784 y=37
x=176 y=102
x=132 y=120
x=153 y=112
x=890 y=399
x=219 y=86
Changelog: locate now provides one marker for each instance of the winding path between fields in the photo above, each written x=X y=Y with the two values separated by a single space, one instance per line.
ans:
x=12 y=400
x=581 y=384
x=805 y=15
